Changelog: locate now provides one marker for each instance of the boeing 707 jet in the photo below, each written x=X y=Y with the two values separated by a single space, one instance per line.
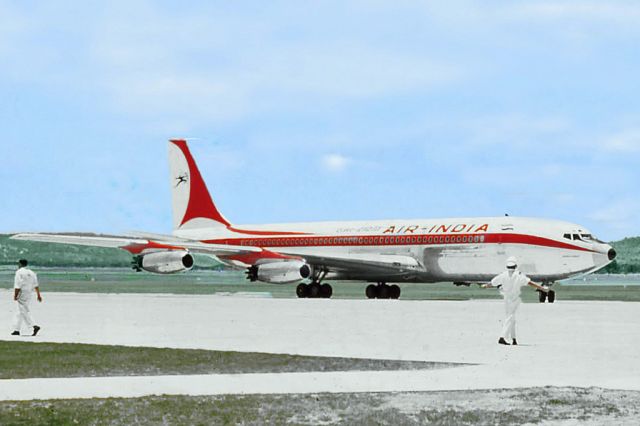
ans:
x=459 y=250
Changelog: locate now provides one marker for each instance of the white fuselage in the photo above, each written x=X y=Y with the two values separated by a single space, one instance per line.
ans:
x=450 y=249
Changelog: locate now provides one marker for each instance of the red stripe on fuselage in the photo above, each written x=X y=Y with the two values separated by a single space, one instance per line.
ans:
x=387 y=240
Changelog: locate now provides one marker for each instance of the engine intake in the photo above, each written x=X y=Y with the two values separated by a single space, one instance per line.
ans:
x=281 y=272
x=164 y=262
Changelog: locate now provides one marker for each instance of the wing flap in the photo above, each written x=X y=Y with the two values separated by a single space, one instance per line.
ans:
x=366 y=263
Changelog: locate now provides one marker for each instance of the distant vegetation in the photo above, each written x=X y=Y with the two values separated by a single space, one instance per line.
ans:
x=48 y=254
x=628 y=258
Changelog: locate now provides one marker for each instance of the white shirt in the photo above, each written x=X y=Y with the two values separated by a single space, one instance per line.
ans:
x=510 y=283
x=25 y=280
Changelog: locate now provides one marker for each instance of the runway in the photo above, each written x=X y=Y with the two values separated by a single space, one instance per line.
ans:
x=579 y=344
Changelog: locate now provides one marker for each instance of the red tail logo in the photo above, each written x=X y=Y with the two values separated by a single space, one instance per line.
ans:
x=200 y=204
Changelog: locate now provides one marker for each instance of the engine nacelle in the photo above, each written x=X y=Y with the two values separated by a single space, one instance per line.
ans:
x=164 y=262
x=281 y=272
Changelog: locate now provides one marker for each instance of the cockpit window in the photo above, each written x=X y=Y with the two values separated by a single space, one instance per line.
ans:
x=590 y=237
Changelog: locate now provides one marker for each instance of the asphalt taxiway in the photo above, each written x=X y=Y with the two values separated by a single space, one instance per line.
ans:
x=568 y=343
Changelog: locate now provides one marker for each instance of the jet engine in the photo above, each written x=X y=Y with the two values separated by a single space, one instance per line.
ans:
x=282 y=272
x=164 y=262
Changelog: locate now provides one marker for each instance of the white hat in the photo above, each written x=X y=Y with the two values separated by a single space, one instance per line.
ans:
x=512 y=262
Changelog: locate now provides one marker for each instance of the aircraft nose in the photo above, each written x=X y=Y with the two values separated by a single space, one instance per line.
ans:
x=611 y=254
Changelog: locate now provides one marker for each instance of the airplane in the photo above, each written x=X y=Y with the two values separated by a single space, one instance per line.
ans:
x=458 y=250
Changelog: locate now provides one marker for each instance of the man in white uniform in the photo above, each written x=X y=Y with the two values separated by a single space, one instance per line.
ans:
x=25 y=283
x=509 y=283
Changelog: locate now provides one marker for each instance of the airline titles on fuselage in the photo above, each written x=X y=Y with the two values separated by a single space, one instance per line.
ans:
x=418 y=229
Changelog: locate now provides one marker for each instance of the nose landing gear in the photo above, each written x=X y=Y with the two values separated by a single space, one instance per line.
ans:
x=546 y=297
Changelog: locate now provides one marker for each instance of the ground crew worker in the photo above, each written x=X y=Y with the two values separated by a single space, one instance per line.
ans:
x=509 y=283
x=25 y=283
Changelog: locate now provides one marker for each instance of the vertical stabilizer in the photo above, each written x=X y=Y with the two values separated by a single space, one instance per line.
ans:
x=192 y=204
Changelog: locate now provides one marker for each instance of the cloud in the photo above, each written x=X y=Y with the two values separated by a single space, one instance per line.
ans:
x=12 y=26
x=335 y=162
x=283 y=76
x=230 y=65
x=516 y=129
x=628 y=12
x=625 y=141
x=619 y=215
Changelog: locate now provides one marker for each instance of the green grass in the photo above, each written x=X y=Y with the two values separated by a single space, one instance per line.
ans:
x=25 y=359
x=496 y=407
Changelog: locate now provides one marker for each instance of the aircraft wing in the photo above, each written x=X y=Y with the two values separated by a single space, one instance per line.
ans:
x=357 y=263
x=138 y=245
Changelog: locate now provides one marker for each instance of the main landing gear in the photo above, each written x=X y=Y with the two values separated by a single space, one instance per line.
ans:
x=382 y=291
x=315 y=289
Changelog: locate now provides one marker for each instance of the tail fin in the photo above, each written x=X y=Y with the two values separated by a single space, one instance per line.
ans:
x=192 y=204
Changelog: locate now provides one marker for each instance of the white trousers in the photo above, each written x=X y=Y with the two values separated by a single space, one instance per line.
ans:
x=509 y=326
x=23 y=316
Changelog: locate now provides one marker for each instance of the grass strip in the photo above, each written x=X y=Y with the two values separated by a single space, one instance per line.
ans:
x=27 y=360
x=199 y=282
x=519 y=406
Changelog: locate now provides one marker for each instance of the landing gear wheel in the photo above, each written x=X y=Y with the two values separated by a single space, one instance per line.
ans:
x=371 y=291
x=383 y=291
x=325 y=291
x=551 y=296
x=394 y=292
x=542 y=296
x=302 y=290
x=314 y=290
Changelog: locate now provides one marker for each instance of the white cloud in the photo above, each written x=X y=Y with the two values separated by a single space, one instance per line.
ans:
x=619 y=215
x=616 y=11
x=12 y=27
x=625 y=141
x=229 y=65
x=250 y=83
x=335 y=162
x=515 y=129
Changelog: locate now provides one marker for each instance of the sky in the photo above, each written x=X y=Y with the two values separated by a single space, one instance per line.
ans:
x=326 y=110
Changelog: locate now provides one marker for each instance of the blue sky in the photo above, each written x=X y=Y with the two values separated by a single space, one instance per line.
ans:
x=321 y=111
